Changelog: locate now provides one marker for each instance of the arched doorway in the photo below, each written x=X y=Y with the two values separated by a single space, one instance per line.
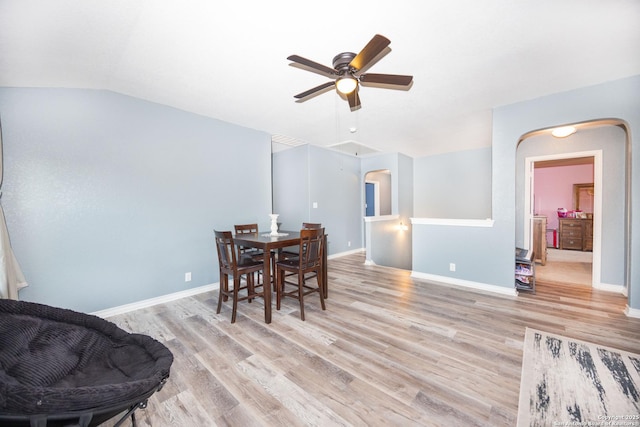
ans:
x=608 y=141
x=377 y=192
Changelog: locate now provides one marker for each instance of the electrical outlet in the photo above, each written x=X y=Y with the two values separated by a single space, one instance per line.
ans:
x=452 y=267
x=187 y=277
x=349 y=243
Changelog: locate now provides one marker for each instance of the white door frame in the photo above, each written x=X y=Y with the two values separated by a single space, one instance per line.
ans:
x=597 y=204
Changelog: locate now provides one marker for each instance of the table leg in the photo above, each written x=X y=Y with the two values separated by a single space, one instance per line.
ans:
x=325 y=281
x=266 y=279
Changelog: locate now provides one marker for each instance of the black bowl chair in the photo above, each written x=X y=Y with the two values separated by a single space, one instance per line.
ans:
x=59 y=367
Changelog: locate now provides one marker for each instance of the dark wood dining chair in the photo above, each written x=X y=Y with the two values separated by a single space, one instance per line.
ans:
x=232 y=264
x=291 y=254
x=311 y=225
x=309 y=261
x=254 y=253
x=248 y=229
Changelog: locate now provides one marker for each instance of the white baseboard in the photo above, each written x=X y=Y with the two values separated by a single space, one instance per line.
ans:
x=632 y=312
x=444 y=280
x=351 y=252
x=155 y=301
x=611 y=288
x=114 y=311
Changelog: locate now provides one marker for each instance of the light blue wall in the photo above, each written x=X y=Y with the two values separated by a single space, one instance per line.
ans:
x=405 y=187
x=334 y=185
x=386 y=244
x=389 y=246
x=454 y=185
x=617 y=99
x=612 y=141
x=291 y=187
x=469 y=248
x=309 y=174
x=110 y=199
x=487 y=254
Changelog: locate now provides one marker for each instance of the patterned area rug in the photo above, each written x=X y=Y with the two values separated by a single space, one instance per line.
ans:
x=566 y=382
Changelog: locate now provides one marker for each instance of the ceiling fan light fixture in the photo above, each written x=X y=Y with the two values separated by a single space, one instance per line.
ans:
x=346 y=73
x=346 y=84
x=563 y=132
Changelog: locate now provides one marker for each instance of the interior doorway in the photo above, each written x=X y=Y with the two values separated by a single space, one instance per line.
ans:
x=372 y=198
x=608 y=141
x=377 y=192
x=568 y=260
x=553 y=192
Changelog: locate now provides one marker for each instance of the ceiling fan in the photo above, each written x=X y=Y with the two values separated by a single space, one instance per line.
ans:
x=347 y=72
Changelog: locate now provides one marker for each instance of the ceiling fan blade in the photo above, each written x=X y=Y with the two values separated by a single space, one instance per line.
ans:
x=314 y=90
x=354 y=100
x=386 y=79
x=311 y=64
x=375 y=46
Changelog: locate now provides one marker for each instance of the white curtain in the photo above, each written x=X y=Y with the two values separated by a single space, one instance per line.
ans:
x=11 y=277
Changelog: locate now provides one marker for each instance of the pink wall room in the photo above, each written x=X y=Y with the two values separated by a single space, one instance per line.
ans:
x=553 y=189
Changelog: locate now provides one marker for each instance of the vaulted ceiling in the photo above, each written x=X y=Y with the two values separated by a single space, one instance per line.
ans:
x=228 y=60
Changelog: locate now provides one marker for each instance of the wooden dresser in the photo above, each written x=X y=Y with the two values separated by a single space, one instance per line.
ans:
x=576 y=233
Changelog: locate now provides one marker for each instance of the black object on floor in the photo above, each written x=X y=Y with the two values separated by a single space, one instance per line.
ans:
x=59 y=367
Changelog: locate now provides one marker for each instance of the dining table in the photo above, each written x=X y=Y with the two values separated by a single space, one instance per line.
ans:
x=268 y=242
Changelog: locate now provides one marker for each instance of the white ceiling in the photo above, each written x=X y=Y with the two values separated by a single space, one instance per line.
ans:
x=227 y=59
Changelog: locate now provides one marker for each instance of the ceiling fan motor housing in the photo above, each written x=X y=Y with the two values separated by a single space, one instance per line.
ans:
x=341 y=62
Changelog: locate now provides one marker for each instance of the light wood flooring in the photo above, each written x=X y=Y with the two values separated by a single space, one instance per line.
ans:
x=566 y=266
x=389 y=350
